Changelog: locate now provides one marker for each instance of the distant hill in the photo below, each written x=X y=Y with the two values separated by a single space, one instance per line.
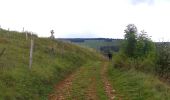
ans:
x=101 y=44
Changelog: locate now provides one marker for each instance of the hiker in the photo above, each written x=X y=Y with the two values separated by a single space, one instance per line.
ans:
x=109 y=55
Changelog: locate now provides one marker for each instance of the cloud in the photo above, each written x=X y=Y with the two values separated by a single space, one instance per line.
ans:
x=136 y=2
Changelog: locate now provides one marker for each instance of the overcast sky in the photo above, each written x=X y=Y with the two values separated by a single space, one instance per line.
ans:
x=87 y=18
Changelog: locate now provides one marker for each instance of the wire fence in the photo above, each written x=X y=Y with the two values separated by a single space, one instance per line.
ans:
x=17 y=48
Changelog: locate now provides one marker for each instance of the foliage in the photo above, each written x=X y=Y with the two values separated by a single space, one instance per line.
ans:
x=130 y=40
x=136 y=85
x=137 y=45
x=146 y=64
x=145 y=46
x=138 y=51
x=163 y=52
x=139 y=54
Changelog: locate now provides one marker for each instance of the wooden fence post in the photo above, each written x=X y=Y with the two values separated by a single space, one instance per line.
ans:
x=2 y=52
x=23 y=29
x=31 y=53
x=26 y=35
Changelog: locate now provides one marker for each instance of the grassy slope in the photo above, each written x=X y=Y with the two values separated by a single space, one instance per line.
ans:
x=135 y=85
x=17 y=82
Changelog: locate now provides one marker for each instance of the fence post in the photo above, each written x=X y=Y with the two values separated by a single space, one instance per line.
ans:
x=2 y=52
x=26 y=35
x=23 y=29
x=31 y=53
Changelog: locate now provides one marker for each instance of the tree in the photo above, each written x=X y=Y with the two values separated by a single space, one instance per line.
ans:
x=163 y=51
x=136 y=44
x=130 y=40
x=144 y=45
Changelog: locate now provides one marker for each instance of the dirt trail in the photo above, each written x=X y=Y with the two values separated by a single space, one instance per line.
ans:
x=91 y=92
x=66 y=88
x=62 y=89
x=111 y=93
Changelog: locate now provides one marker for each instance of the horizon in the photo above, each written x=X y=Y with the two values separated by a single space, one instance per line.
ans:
x=77 y=37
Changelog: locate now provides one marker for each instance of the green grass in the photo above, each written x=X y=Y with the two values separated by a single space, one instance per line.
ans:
x=134 y=85
x=88 y=77
x=18 y=82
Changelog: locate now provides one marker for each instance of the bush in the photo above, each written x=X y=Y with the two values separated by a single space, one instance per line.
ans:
x=163 y=61
x=118 y=61
x=143 y=64
x=147 y=65
x=137 y=52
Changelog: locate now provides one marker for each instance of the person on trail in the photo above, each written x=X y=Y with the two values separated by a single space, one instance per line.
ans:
x=109 y=55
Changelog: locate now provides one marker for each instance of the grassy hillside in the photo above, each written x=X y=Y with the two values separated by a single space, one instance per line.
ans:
x=52 y=61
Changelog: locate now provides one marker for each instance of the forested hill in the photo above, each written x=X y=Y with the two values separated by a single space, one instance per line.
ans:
x=101 y=44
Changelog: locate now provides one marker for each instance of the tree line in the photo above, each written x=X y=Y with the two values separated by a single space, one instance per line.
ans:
x=138 y=51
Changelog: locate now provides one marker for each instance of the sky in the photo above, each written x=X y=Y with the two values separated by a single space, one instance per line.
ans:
x=87 y=18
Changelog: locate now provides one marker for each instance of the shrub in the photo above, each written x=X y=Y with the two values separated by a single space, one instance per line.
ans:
x=146 y=64
x=137 y=52
x=163 y=61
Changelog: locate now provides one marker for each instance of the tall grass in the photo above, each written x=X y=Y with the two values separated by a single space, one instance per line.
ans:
x=145 y=64
x=136 y=85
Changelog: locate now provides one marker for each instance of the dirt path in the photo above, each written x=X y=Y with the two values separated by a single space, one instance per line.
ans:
x=108 y=88
x=62 y=89
x=84 y=85
x=87 y=83
x=91 y=91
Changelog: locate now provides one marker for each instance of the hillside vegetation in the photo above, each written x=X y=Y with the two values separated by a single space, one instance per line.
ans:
x=140 y=66
x=65 y=71
x=52 y=61
x=136 y=85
